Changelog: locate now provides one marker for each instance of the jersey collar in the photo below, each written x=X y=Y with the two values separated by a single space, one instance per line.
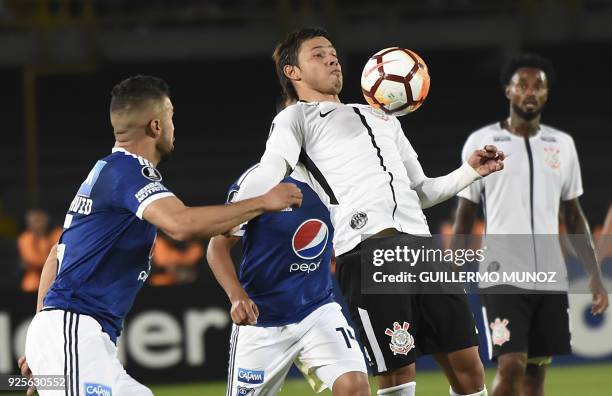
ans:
x=500 y=127
x=140 y=159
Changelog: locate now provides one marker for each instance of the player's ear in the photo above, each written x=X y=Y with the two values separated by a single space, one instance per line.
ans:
x=154 y=128
x=507 y=91
x=292 y=72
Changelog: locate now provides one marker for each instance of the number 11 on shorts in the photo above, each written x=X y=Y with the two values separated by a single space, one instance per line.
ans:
x=346 y=333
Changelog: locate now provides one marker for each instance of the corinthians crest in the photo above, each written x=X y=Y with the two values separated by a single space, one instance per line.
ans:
x=499 y=331
x=401 y=341
x=551 y=157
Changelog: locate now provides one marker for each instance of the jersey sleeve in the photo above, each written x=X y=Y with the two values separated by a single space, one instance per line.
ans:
x=572 y=180
x=405 y=148
x=474 y=190
x=286 y=135
x=137 y=186
x=232 y=194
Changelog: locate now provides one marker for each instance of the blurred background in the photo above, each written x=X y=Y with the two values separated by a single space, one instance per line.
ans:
x=59 y=60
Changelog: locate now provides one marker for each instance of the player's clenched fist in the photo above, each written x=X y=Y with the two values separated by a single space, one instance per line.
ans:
x=282 y=196
x=244 y=311
x=487 y=160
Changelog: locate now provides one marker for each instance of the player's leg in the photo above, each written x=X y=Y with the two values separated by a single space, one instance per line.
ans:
x=398 y=382
x=535 y=373
x=449 y=333
x=352 y=383
x=44 y=349
x=97 y=365
x=549 y=336
x=507 y=319
x=73 y=345
x=260 y=358
x=464 y=371
x=510 y=372
x=385 y=325
x=330 y=356
x=124 y=384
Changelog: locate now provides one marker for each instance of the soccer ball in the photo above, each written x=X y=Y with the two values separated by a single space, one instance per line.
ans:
x=395 y=80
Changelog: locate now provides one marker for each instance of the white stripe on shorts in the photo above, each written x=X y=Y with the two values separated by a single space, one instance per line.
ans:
x=67 y=382
x=230 y=373
x=71 y=356
x=487 y=332
x=381 y=366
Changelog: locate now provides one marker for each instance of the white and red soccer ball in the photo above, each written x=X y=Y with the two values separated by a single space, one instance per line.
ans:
x=395 y=80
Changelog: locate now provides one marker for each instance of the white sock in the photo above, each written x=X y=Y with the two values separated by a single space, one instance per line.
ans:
x=483 y=392
x=399 y=390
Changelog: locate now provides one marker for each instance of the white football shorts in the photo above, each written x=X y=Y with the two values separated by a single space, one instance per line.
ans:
x=73 y=345
x=322 y=345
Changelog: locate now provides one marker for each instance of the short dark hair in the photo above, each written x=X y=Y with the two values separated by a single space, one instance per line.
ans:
x=286 y=53
x=527 y=60
x=136 y=90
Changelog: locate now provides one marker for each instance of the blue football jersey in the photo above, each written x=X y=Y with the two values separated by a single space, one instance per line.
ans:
x=105 y=250
x=286 y=261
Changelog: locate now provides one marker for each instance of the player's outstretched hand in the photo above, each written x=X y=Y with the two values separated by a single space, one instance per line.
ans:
x=26 y=372
x=244 y=311
x=281 y=197
x=487 y=160
x=600 y=297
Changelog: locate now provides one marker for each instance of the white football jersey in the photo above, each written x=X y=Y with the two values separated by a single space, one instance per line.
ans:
x=353 y=155
x=521 y=203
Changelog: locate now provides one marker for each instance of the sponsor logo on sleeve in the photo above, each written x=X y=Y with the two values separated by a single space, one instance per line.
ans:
x=151 y=173
x=501 y=138
x=149 y=190
x=250 y=376
x=97 y=390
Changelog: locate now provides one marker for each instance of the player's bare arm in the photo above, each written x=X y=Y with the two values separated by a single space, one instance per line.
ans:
x=182 y=222
x=432 y=191
x=47 y=277
x=244 y=311
x=582 y=242
x=463 y=223
x=606 y=231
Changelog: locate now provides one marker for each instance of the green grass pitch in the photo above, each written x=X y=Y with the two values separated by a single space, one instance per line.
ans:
x=585 y=380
